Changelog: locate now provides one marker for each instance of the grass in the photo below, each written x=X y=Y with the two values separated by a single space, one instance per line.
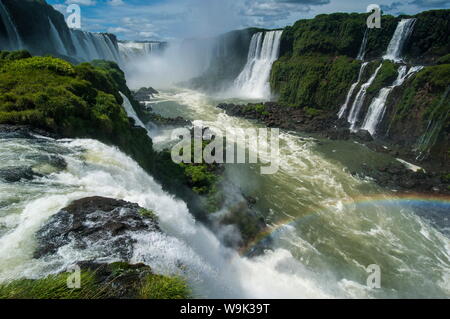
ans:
x=160 y=287
x=140 y=284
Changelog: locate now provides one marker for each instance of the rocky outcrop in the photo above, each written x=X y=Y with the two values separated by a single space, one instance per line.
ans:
x=144 y=94
x=96 y=221
x=145 y=112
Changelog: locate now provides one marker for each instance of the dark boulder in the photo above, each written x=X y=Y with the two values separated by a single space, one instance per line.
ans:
x=363 y=136
x=106 y=223
x=16 y=174
x=144 y=94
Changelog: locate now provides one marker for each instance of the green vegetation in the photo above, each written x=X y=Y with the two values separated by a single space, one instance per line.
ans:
x=312 y=111
x=117 y=280
x=444 y=59
x=422 y=112
x=80 y=101
x=200 y=178
x=425 y=90
x=385 y=77
x=148 y=214
x=335 y=34
x=431 y=37
x=446 y=178
x=319 y=82
x=160 y=287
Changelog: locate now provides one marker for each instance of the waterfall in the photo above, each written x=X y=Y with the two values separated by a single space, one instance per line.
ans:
x=253 y=82
x=378 y=106
x=359 y=99
x=13 y=41
x=434 y=127
x=90 y=46
x=362 y=49
x=56 y=39
x=401 y=34
x=132 y=113
x=132 y=50
x=352 y=89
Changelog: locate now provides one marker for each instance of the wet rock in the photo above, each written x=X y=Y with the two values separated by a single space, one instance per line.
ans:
x=144 y=94
x=96 y=222
x=16 y=174
x=338 y=134
x=363 y=136
x=22 y=131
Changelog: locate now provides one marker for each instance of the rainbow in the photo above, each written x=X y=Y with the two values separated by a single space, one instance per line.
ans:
x=407 y=199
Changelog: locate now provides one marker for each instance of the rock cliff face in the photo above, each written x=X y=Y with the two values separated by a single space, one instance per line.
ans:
x=392 y=82
x=36 y=26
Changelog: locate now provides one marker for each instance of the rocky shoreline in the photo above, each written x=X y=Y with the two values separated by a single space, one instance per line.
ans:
x=325 y=124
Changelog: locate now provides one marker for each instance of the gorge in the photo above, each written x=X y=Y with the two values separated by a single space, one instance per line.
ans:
x=364 y=152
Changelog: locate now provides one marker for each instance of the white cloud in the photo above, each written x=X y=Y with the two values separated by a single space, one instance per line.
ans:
x=116 y=3
x=82 y=2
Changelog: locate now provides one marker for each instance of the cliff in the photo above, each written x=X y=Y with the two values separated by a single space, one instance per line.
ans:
x=37 y=27
x=318 y=67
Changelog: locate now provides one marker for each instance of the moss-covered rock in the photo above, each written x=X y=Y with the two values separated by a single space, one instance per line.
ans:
x=100 y=281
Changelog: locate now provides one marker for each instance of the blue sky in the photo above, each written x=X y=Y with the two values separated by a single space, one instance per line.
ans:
x=175 y=19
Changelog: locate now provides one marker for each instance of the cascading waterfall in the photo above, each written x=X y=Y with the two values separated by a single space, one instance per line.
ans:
x=360 y=98
x=13 y=42
x=56 y=39
x=378 y=106
x=253 y=82
x=90 y=46
x=362 y=49
x=352 y=89
x=361 y=54
x=132 y=50
x=401 y=34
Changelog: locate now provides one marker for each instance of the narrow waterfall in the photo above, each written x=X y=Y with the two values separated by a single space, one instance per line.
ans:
x=359 y=100
x=352 y=89
x=13 y=41
x=253 y=82
x=378 y=106
x=434 y=127
x=362 y=49
x=132 y=113
x=401 y=34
